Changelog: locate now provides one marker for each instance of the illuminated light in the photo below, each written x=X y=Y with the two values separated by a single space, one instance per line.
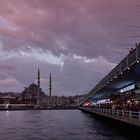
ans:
x=115 y=77
x=128 y=101
x=121 y=72
x=104 y=101
x=86 y=104
x=138 y=61
x=128 y=88
x=136 y=102
x=6 y=106
x=128 y=68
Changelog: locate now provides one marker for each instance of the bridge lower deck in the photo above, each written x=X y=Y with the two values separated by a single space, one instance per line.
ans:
x=129 y=117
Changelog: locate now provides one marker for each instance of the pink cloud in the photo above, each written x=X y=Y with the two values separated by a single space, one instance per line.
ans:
x=9 y=82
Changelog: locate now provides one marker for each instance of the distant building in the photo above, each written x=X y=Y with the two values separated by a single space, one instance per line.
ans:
x=78 y=100
x=55 y=101
x=34 y=97
x=30 y=94
x=9 y=98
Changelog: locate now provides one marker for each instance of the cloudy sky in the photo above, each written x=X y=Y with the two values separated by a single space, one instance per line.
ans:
x=77 y=41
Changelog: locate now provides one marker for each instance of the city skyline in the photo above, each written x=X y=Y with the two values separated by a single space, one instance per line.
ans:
x=77 y=41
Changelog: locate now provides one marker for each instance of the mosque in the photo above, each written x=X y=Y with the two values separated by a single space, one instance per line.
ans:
x=33 y=93
x=34 y=96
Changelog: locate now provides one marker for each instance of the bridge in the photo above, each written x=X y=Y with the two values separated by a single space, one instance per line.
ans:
x=128 y=117
x=118 y=91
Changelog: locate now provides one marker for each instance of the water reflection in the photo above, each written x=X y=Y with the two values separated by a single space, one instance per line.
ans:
x=56 y=125
x=112 y=131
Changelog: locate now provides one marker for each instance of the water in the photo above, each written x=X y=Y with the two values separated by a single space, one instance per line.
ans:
x=55 y=125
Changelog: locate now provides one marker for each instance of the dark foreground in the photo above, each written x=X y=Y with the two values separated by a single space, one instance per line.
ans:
x=58 y=125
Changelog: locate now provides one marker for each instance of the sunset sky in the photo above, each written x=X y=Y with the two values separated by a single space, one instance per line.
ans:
x=77 y=41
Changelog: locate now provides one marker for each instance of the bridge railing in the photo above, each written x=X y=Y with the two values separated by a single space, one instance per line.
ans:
x=118 y=113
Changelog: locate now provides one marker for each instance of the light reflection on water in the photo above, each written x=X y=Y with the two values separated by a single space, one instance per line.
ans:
x=55 y=125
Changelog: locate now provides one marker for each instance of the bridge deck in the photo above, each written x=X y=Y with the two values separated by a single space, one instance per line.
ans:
x=125 y=73
x=129 y=117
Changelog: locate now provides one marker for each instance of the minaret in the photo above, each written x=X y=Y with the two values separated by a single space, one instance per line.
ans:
x=38 y=83
x=38 y=79
x=50 y=86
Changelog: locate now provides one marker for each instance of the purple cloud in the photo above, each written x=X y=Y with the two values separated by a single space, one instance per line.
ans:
x=73 y=40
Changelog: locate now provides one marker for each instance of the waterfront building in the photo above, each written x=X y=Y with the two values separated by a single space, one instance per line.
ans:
x=55 y=101
x=34 y=97
x=78 y=100
x=30 y=94
x=9 y=98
